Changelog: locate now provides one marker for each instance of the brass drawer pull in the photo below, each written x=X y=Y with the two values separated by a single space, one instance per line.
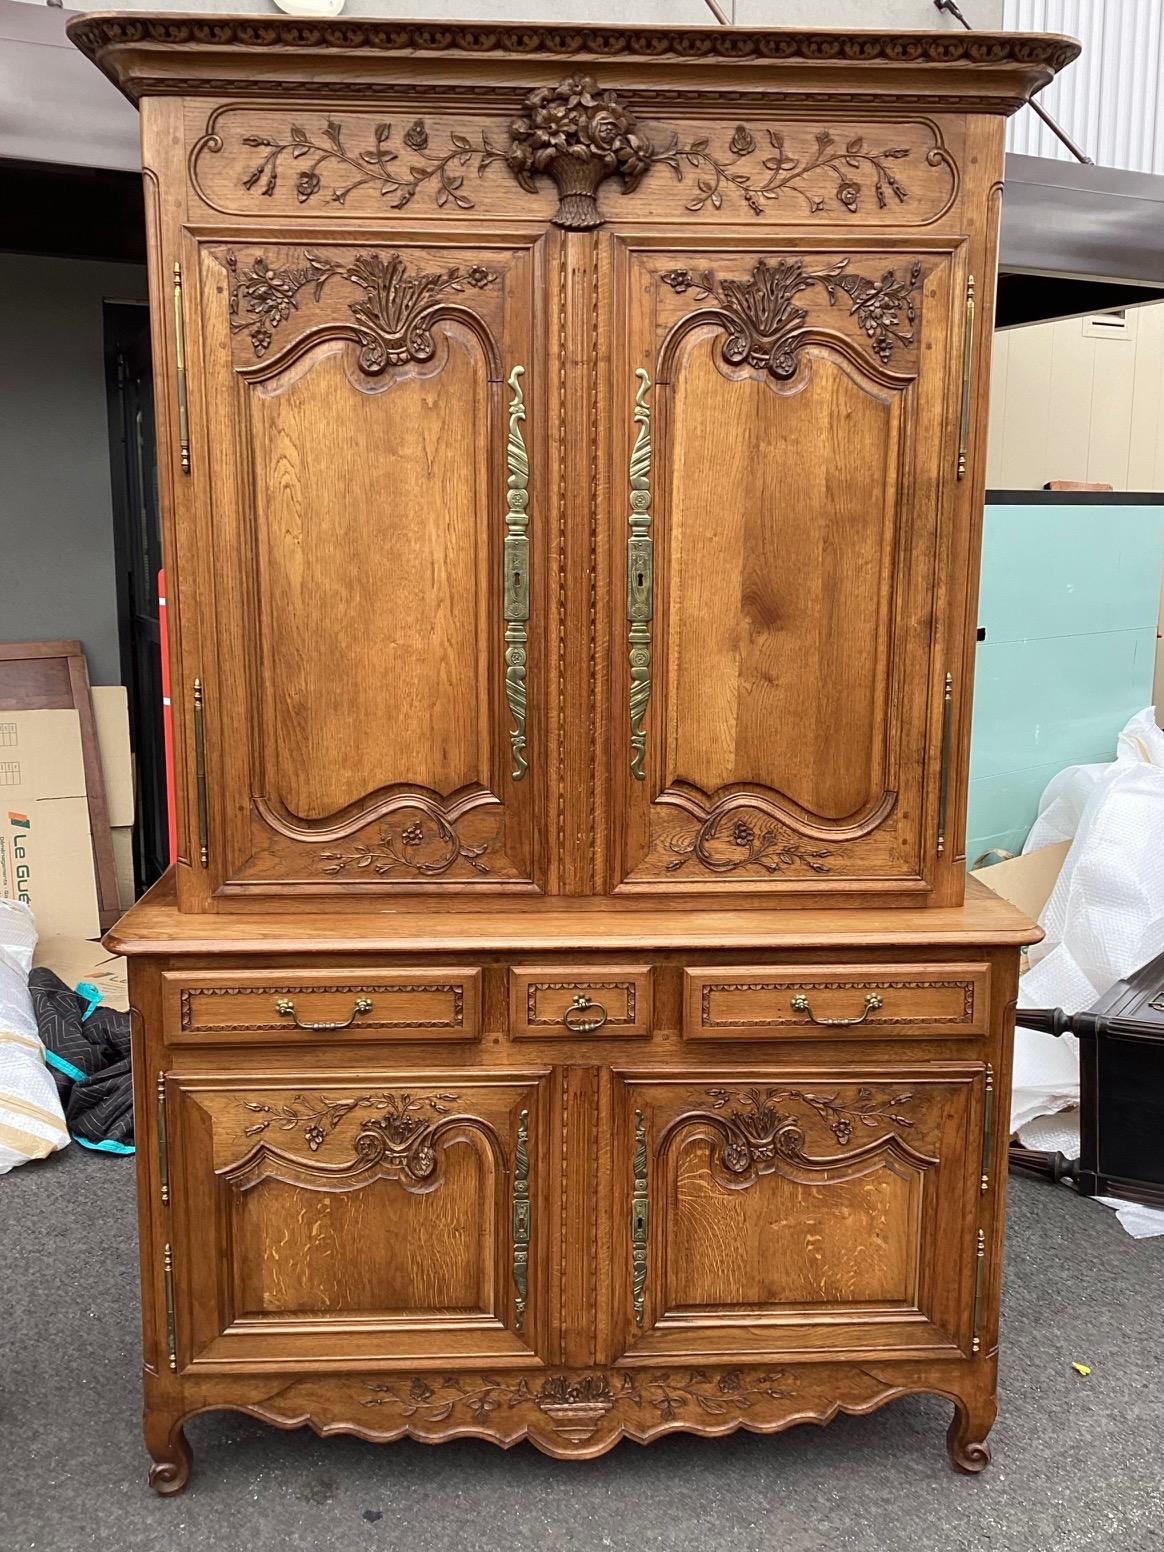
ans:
x=801 y=1004
x=286 y=1007
x=578 y=1017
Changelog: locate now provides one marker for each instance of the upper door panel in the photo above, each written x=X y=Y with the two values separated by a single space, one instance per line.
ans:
x=777 y=677
x=376 y=712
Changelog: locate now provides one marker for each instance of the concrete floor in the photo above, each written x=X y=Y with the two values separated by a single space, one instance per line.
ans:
x=1077 y=1462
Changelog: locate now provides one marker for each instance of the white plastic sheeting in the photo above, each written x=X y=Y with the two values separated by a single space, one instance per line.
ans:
x=32 y=1124
x=1103 y=920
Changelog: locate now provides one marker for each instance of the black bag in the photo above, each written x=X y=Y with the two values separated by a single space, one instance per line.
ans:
x=89 y=1058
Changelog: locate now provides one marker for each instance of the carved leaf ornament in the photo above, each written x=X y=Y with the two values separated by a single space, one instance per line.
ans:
x=392 y=317
x=765 y=327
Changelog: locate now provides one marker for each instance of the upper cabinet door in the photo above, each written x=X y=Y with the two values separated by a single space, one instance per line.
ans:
x=372 y=708
x=787 y=427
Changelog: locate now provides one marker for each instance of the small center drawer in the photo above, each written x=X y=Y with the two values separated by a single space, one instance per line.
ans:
x=813 y=1002
x=595 y=1001
x=342 y=1004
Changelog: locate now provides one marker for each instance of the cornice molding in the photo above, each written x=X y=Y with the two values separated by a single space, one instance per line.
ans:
x=104 y=37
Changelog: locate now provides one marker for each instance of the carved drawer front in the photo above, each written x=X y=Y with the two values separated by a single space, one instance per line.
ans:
x=599 y=1001
x=276 y=1006
x=356 y=1217
x=811 y=1002
x=769 y=1212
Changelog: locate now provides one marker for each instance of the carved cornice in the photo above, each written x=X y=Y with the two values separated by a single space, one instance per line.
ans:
x=95 y=36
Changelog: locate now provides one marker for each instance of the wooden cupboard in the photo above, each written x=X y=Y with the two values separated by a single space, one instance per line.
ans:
x=563 y=1019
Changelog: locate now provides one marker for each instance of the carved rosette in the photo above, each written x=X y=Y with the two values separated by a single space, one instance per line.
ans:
x=579 y=137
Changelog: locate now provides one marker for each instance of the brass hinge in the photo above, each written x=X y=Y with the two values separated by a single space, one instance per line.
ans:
x=163 y=1148
x=168 y=1275
x=200 y=776
x=987 y=1128
x=944 y=775
x=639 y=1211
x=967 y=358
x=979 y=1283
x=521 y=1220
x=180 y=370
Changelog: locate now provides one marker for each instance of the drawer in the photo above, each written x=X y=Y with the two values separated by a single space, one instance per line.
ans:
x=210 y=1008
x=810 y=1002
x=596 y=1001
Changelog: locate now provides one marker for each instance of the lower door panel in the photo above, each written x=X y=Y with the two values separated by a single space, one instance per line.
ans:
x=761 y=1214
x=383 y=1218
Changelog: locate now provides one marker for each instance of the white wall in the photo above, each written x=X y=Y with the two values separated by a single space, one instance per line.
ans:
x=56 y=513
x=1109 y=100
x=1067 y=405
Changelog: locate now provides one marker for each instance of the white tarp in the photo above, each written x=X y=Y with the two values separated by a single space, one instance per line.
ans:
x=32 y=1123
x=1105 y=915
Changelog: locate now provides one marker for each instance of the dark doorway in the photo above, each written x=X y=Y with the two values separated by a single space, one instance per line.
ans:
x=138 y=551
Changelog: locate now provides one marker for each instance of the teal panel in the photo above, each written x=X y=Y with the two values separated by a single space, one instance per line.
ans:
x=1001 y=809
x=1057 y=701
x=1050 y=570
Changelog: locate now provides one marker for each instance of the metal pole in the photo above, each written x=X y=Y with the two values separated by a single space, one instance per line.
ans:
x=718 y=12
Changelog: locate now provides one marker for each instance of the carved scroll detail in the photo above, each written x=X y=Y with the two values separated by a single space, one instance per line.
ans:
x=398 y=1133
x=521 y=1224
x=516 y=605
x=757 y=1132
x=392 y=320
x=428 y=847
x=765 y=327
x=744 y=846
x=640 y=578
x=577 y=1403
x=640 y=1208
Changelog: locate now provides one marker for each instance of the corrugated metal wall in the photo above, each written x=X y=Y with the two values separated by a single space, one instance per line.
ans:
x=1109 y=101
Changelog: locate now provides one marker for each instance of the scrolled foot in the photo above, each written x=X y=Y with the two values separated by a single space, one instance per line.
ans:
x=966 y=1437
x=171 y=1455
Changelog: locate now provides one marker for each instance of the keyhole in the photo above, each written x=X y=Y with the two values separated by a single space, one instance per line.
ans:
x=517 y=579
x=640 y=581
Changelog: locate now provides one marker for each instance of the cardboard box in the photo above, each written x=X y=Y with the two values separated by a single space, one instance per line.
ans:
x=76 y=960
x=1027 y=881
x=111 y=714
x=46 y=856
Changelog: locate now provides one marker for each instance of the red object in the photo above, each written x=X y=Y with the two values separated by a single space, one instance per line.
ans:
x=167 y=719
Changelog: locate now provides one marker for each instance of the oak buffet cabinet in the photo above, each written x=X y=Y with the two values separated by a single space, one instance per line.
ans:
x=567 y=1018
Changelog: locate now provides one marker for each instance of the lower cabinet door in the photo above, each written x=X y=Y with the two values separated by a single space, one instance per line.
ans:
x=760 y=1214
x=339 y=1219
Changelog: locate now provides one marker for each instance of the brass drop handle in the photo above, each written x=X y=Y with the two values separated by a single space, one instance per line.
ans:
x=286 y=1007
x=580 y=1020
x=801 y=1004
